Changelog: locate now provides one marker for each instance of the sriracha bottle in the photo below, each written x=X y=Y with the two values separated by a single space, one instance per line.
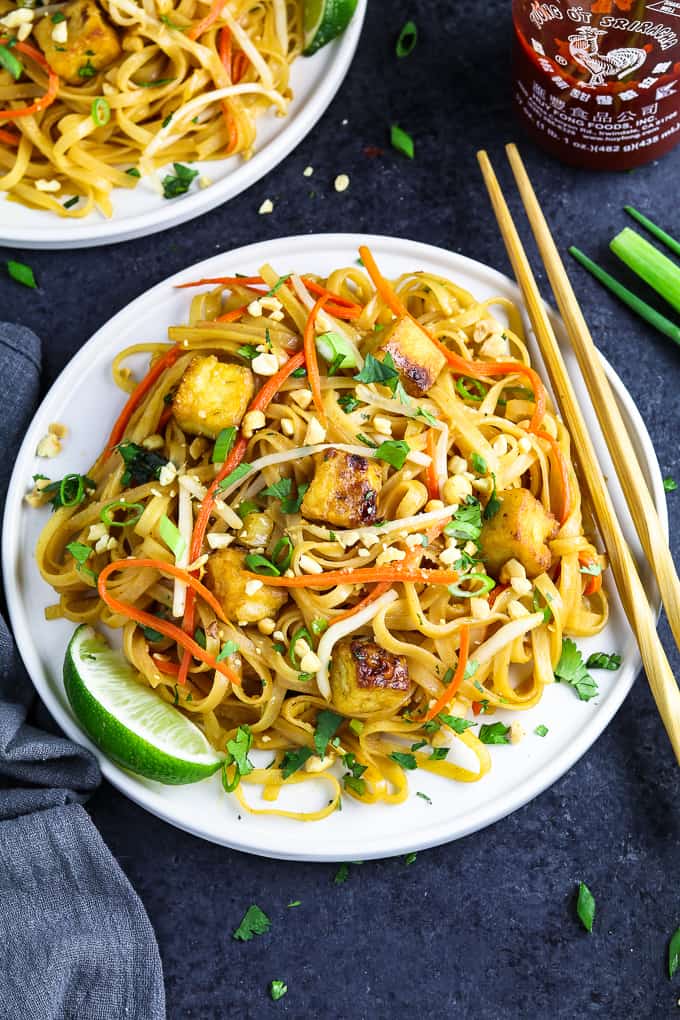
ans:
x=597 y=82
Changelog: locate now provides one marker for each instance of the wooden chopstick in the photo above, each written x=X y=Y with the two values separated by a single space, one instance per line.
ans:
x=659 y=674
x=640 y=503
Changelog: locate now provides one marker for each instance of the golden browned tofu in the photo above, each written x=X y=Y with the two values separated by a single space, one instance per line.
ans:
x=418 y=360
x=91 y=45
x=224 y=577
x=365 y=678
x=519 y=531
x=257 y=530
x=212 y=395
x=344 y=490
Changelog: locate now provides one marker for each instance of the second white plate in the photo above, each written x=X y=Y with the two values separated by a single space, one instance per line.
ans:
x=141 y=212
x=86 y=400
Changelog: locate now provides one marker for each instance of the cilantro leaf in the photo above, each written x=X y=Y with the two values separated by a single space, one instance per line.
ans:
x=348 y=403
x=277 y=990
x=466 y=523
x=179 y=182
x=494 y=503
x=455 y=722
x=410 y=858
x=292 y=504
x=674 y=953
x=294 y=760
x=80 y=552
x=394 y=452
x=670 y=484
x=280 y=489
x=571 y=670
x=601 y=660
x=327 y=723
x=406 y=761
x=255 y=922
x=141 y=465
x=541 y=731
x=494 y=733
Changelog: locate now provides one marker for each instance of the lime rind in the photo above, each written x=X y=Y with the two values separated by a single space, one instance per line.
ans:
x=130 y=723
x=324 y=20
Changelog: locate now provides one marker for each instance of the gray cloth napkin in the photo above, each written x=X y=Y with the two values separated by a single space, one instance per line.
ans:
x=75 y=941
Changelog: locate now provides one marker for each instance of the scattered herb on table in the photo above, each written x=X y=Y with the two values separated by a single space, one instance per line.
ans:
x=277 y=989
x=255 y=922
x=585 y=906
x=22 y=273
x=402 y=141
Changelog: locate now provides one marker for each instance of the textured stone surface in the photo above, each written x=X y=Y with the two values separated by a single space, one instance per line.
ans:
x=484 y=927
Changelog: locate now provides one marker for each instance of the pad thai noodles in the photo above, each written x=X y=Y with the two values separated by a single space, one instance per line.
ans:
x=337 y=520
x=95 y=94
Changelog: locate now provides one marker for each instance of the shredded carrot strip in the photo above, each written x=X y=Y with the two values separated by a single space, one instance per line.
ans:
x=495 y=592
x=239 y=66
x=260 y=402
x=211 y=17
x=164 y=666
x=457 y=679
x=233 y=315
x=593 y=581
x=337 y=306
x=163 y=626
x=311 y=359
x=164 y=418
x=52 y=84
x=476 y=369
x=379 y=590
x=225 y=281
x=362 y=575
x=563 y=468
x=9 y=138
x=431 y=473
x=140 y=391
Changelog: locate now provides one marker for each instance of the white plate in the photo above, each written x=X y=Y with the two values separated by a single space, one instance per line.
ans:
x=141 y=212
x=85 y=399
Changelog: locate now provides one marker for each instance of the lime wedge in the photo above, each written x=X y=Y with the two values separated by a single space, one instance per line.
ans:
x=324 y=20
x=129 y=722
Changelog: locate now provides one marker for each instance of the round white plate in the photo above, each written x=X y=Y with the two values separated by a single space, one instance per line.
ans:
x=86 y=400
x=314 y=80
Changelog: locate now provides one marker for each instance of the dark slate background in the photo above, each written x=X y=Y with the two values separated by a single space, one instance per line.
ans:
x=484 y=927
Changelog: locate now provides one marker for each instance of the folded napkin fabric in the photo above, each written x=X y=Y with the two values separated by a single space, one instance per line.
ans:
x=75 y=940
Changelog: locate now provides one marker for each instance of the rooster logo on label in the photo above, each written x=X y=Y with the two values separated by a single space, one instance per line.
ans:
x=584 y=47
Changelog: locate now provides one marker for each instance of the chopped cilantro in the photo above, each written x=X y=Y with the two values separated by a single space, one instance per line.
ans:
x=402 y=141
x=405 y=761
x=479 y=464
x=670 y=484
x=22 y=273
x=424 y=796
x=327 y=723
x=541 y=731
x=277 y=989
x=342 y=874
x=494 y=733
x=410 y=858
x=601 y=660
x=571 y=670
x=674 y=953
x=466 y=523
x=348 y=403
x=255 y=922
x=141 y=465
x=394 y=452
x=294 y=760
x=179 y=182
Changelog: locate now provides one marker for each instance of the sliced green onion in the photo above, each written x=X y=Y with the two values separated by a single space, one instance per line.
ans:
x=282 y=554
x=236 y=475
x=640 y=307
x=649 y=264
x=11 y=63
x=301 y=632
x=100 y=111
x=70 y=202
x=402 y=141
x=332 y=346
x=137 y=509
x=408 y=37
x=486 y=584
x=356 y=726
x=657 y=232
x=465 y=393
x=261 y=565
x=223 y=445
x=172 y=538
x=66 y=495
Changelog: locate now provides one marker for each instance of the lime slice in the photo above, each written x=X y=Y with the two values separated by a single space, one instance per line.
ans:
x=324 y=20
x=129 y=722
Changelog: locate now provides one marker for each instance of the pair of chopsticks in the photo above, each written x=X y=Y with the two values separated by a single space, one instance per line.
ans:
x=643 y=512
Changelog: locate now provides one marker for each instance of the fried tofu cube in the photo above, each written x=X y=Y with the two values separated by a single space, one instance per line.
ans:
x=344 y=490
x=519 y=531
x=212 y=395
x=92 y=42
x=366 y=678
x=224 y=577
x=417 y=359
